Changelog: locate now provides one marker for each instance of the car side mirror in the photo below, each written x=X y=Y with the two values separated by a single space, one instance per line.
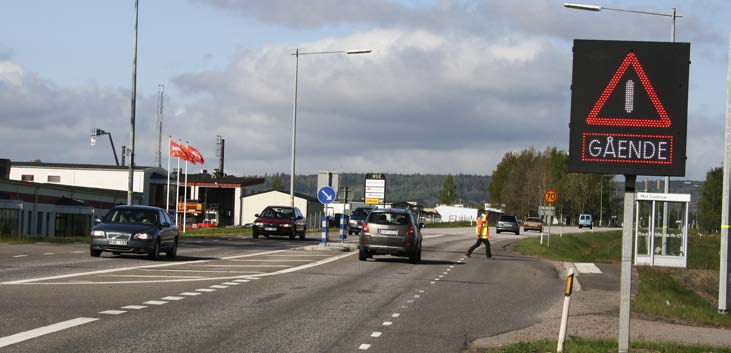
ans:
x=164 y=224
x=97 y=220
x=256 y=215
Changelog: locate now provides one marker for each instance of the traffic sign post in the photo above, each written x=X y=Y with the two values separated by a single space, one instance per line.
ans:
x=326 y=195
x=375 y=189
x=629 y=112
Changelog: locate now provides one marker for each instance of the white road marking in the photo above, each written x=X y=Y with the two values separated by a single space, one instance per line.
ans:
x=421 y=291
x=204 y=271
x=49 y=253
x=190 y=294
x=364 y=347
x=134 y=307
x=434 y=236
x=23 y=336
x=444 y=273
x=432 y=282
x=241 y=280
x=404 y=307
x=449 y=269
x=254 y=278
x=207 y=290
x=395 y=315
x=20 y=256
x=451 y=266
x=410 y=301
x=218 y=286
x=78 y=252
x=387 y=323
x=155 y=302
x=278 y=260
x=243 y=265
x=152 y=276
x=417 y=296
x=254 y=254
x=231 y=283
x=587 y=267
x=293 y=255
x=436 y=279
x=376 y=334
x=172 y=298
x=441 y=276
x=113 y=312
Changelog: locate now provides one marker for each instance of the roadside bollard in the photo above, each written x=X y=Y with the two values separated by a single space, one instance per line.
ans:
x=324 y=229
x=565 y=313
x=342 y=228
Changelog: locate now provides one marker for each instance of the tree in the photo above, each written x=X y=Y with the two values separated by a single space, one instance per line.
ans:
x=277 y=183
x=709 y=205
x=448 y=193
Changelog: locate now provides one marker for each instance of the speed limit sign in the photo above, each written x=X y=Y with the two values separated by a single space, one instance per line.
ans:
x=550 y=196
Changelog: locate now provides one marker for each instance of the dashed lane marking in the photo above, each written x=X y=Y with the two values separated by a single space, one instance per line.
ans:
x=387 y=323
x=155 y=302
x=364 y=346
x=218 y=286
x=395 y=315
x=272 y=266
x=241 y=280
x=205 y=290
x=20 y=256
x=205 y=271
x=274 y=260
x=172 y=298
x=23 y=336
x=78 y=252
x=231 y=283
x=376 y=334
x=134 y=307
x=112 y=312
x=152 y=276
x=190 y=294
x=49 y=253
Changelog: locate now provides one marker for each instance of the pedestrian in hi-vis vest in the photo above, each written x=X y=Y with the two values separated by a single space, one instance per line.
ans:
x=483 y=236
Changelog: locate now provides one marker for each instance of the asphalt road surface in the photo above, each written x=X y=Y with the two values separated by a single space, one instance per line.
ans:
x=237 y=294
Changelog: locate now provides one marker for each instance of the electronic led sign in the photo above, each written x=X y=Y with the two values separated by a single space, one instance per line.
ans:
x=629 y=107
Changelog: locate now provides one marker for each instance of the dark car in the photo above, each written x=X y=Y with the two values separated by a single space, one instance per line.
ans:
x=135 y=229
x=533 y=223
x=507 y=223
x=280 y=220
x=390 y=231
x=357 y=217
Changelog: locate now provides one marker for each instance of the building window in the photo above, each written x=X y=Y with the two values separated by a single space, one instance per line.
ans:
x=72 y=225
x=26 y=177
x=8 y=221
x=54 y=179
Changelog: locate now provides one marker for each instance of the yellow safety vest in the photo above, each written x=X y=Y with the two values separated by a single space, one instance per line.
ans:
x=483 y=227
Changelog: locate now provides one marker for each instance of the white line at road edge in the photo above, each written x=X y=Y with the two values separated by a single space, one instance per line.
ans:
x=31 y=280
x=23 y=336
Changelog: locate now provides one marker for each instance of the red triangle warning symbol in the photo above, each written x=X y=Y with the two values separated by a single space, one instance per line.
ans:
x=662 y=121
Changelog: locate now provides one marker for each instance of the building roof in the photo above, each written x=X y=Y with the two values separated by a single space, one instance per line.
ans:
x=75 y=165
x=298 y=194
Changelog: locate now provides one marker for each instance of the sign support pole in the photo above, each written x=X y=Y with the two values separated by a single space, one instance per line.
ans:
x=626 y=279
x=723 y=270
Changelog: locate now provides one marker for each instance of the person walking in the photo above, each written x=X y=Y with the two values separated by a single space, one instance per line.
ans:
x=483 y=236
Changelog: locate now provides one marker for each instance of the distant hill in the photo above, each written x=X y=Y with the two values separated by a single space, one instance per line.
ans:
x=424 y=188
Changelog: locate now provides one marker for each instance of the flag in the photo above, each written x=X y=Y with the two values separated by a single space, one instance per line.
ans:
x=195 y=156
x=178 y=150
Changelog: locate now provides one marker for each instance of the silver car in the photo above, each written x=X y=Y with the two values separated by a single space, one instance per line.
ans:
x=390 y=231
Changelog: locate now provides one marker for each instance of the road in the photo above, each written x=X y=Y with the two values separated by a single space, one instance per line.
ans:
x=239 y=294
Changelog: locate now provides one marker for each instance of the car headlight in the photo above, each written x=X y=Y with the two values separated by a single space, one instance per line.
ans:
x=98 y=233
x=258 y=224
x=143 y=236
x=286 y=225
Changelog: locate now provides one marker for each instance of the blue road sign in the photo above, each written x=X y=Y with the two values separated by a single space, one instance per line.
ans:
x=326 y=195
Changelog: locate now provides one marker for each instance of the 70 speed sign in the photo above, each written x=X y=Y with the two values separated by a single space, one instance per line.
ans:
x=550 y=196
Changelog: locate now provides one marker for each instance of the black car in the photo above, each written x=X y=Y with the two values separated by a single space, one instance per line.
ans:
x=390 y=231
x=135 y=229
x=507 y=223
x=280 y=220
x=357 y=217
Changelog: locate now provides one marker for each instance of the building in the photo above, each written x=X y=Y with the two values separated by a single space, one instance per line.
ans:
x=218 y=197
x=457 y=213
x=255 y=203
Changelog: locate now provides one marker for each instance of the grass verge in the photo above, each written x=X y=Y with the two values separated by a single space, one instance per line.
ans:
x=603 y=247
x=577 y=344
x=460 y=224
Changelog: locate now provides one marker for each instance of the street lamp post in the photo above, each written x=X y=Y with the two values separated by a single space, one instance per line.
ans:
x=624 y=307
x=297 y=54
x=130 y=183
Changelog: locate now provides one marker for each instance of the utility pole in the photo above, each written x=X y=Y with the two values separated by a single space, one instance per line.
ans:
x=159 y=125
x=130 y=183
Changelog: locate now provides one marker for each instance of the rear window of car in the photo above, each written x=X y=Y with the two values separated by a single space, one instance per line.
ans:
x=361 y=211
x=388 y=218
x=507 y=219
x=531 y=219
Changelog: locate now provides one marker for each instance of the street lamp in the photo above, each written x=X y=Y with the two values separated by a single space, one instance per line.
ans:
x=297 y=54
x=100 y=132
x=130 y=182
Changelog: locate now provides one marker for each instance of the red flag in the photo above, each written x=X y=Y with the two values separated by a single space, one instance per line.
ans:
x=178 y=150
x=195 y=156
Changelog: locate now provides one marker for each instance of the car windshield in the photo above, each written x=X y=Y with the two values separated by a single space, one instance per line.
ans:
x=361 y=212
x=278 y=212
x=388 y=218
x=133 y=216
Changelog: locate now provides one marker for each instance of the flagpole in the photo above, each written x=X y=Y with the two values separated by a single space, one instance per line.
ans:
x=167 y=199
x=177 y=194
x=185 y=190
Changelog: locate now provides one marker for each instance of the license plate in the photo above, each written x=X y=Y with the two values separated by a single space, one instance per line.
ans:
x=117 y=242
x=388 y=232
x=270 y=229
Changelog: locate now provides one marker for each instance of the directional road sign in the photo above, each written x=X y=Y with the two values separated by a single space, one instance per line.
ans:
x=326 y=195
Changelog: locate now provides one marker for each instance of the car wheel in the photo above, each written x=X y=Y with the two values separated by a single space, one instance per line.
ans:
x=418 y=255
x=362 y=255
x=170 y=254
x=302 y=235
x=291 y=235
x=498 y=232
x=94 y=252
x=154 y=254
x=517 y=232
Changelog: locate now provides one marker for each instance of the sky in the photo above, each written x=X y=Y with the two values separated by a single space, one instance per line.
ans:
x=449 y=87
